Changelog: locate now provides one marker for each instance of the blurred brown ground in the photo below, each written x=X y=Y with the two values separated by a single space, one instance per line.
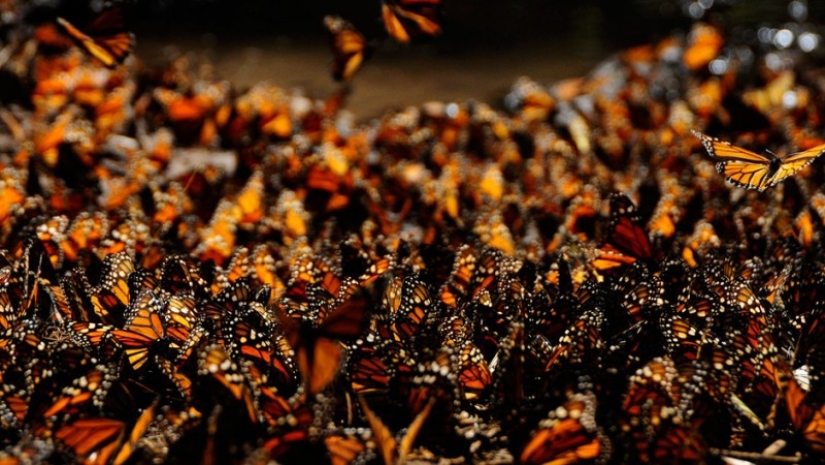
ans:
x=390 y=79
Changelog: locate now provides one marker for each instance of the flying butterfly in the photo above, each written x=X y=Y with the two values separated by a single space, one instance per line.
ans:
x=393 y=451
x=752 y=170
x=405 y=19
x=348 y=46
x=318 y=353
x=105 y=38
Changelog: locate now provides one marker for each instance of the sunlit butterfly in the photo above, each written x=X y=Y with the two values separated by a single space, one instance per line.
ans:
x=349 y=48
x=752 y=170
x=105 y=38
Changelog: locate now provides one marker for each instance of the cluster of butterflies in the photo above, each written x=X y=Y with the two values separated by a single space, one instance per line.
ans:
x=196 y=273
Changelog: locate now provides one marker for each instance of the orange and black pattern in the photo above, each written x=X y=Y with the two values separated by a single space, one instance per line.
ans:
x=196 y=273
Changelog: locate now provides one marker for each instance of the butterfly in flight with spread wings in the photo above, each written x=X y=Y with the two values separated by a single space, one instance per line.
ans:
x=405 y=19
x=349 y=47
x=105 y=38
x=752 y=170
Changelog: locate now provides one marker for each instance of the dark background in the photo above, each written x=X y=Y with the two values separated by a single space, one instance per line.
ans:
x=484 y=47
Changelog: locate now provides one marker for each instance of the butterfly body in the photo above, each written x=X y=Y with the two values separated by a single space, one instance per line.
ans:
x=751 y=170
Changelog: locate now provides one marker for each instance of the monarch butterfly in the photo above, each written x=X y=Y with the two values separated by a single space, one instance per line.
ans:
x=89 y=386
x=111 y=296
x=805 y=418
x=344 y=449
x=569 y=435
x=472 y=274
x=144 y=328
x=626 y=239
x=409 y=303
x=105 y=38
x=366 y=370
x=655 y=416
x=474 y=375
x=348 y=46
x=316 y=348
x=214 y=363
x=751 y=170
x=391 y=451
x=100 y=439
x=404 y=19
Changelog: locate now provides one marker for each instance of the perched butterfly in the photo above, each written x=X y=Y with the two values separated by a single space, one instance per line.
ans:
x=348 y=46
x=105 y=38
x=215 y=364
x=112 y=295
x=806 y=419
x=569 y=434
x=145 y=329
x=626 y=239
x=405 y=19
x=751 y=170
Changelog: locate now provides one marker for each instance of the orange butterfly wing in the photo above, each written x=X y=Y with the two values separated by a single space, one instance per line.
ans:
x=404 y=19
x=143 y=329
x=391 y=450
x=752 y=170
x=349 y=48
x=795 y=162
x=105 y=38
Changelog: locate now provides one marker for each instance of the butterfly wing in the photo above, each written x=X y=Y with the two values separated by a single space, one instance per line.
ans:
x=348 y=46
x=346 y=323
x=382 y=435
x=404 y=19
x=626 y=240
x=740 y=166
x=144 y=328
x=105 y=38
x=87 y=435
x=393 y=24
x=795 y=162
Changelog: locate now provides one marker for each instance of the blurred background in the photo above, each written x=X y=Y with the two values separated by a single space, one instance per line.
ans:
x=485 y=45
